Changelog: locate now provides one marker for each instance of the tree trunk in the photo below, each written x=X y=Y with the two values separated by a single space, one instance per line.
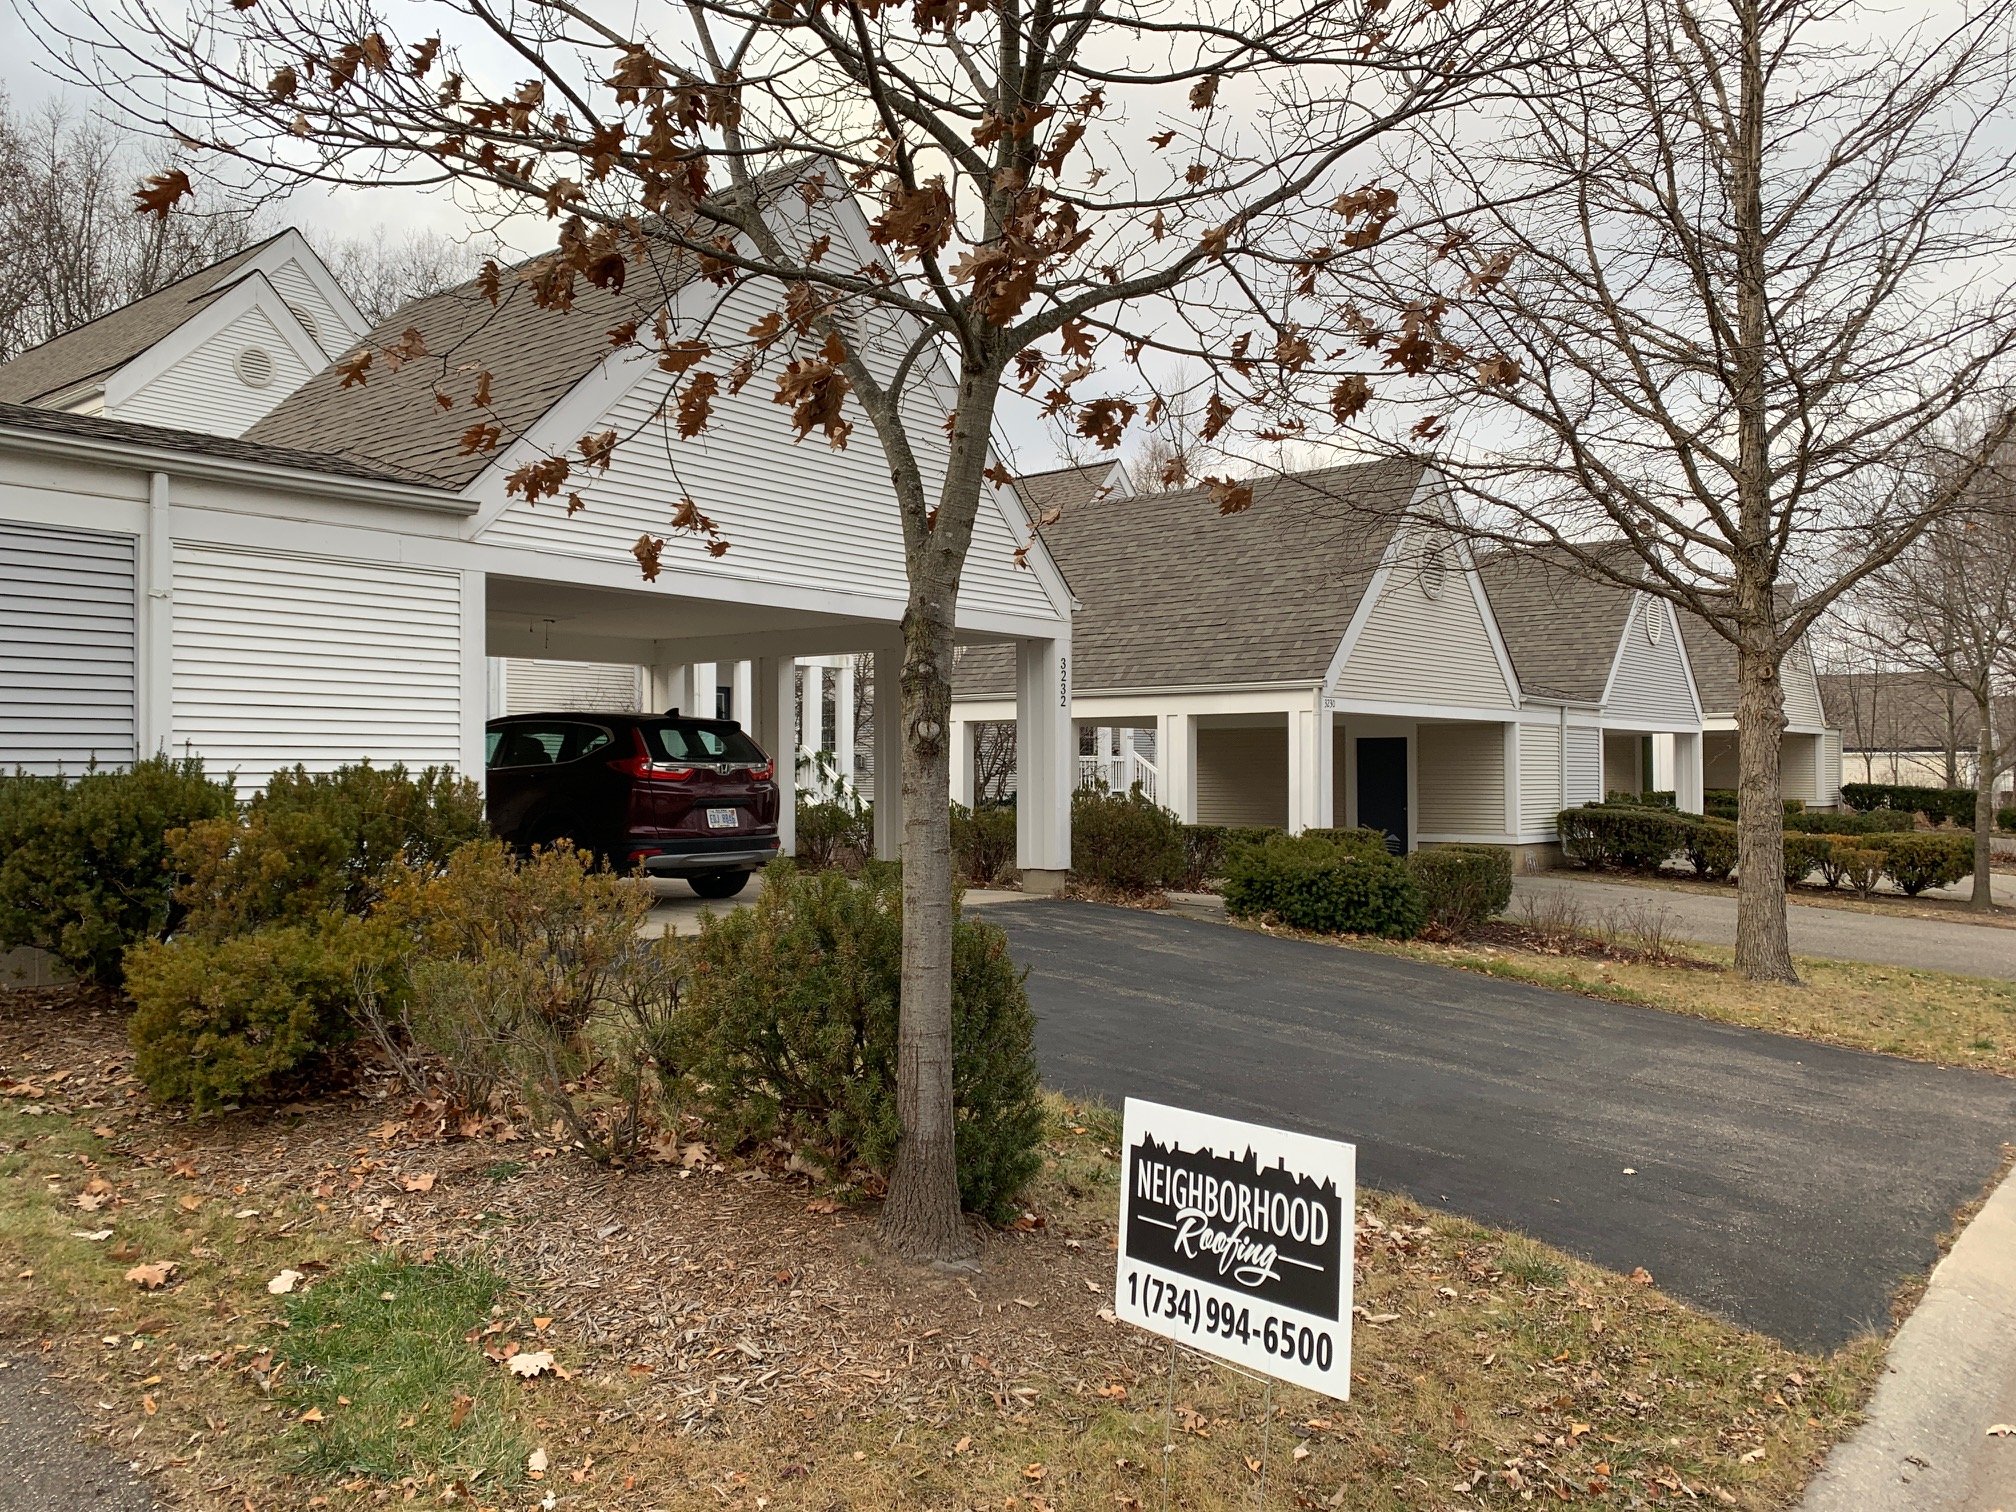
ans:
x=1984 y=807
x=1763 y=945
x=921 y=1219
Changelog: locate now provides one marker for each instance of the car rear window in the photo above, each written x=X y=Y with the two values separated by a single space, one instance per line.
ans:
x=693 y=740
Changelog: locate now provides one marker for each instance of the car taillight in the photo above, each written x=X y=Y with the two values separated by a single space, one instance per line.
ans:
x=644 y=768
x=764 y=772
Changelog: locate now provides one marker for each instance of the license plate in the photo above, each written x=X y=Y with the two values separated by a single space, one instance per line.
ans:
x=727 y=818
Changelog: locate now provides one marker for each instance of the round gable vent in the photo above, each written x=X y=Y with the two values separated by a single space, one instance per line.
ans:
x=255 y=367
x=307 y=319
x=1434 y=569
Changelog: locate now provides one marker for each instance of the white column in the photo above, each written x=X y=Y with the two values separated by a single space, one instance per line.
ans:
x=1512 y=779
x=1176 y=762
x=742 y=701
x=1046 y=760
x=812 y=733
x=155 y=709
x=499 y=693
x=964 y=733
x=475 y=682
x=1124 y=736
x=1311 y=748
x=888 y=776
x=843 y=720
x=701 y=681
x=773 y=682
x=1688 y=790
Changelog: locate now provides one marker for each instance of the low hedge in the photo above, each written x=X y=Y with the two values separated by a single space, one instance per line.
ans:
x=983 y=843
x=1124 y=842
x=1918 y=861
x=2006 y=818
x=1462 y=885
x=1954 y=804
x=1628 y=836
x=1332 y=886
x=1207 y=848
x=1842 y=823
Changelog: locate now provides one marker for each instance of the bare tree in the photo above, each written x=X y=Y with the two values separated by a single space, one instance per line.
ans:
x=71 y=245
x=1740 y=259
x=1947 y=605
x=1038 y=179
x=382 y=273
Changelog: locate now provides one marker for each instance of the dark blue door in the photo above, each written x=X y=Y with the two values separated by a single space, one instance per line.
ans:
x=1382 y=788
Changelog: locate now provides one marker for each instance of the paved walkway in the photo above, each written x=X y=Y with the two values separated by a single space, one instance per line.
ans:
x=1838 y=933
x=1931 y=1442
x=1786 y=1185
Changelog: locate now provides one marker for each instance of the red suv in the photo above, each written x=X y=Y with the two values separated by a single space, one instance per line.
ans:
x=692 y=798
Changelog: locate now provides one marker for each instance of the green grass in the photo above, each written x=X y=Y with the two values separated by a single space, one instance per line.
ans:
x=380 y=1349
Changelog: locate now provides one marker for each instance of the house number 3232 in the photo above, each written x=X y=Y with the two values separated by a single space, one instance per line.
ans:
x=1063 y=682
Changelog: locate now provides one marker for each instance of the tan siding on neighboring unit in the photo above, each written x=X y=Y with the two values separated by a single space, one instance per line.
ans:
x=1539 y=777
x=1242 y=776
x=203 y=391
x=1415 y=649
x=1799 y=767
x=1650 y=680
x=794 y=513
x=1459 y=779
x=1585 y=765
x=534 y=687
x=284 y=659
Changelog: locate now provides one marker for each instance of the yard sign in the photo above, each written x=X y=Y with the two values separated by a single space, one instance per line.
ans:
x=1236 y=1240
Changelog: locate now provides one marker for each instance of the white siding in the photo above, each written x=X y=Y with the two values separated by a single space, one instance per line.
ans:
x=1585 y=765
x=533 y=687
x=203 y=391
x=1539 y=777
x=67 y=649
x=1459 y=779
x=1799 y=767
x=1830 y=768
x=1414 y=649
x=1242 y=775
x=311 y=307
x=286 y=659
x=794 y=513
x=1650 y=679
x=1802 y=691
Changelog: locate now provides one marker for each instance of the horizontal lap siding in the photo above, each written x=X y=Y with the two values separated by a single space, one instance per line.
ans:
x=1420 y=650
x=534 y=687
x=795 y=513
x=1650 y=681
x=1242 y=776
x=285 y=659
x=1459 y=779
x=1585 y=766
x=1539 y=777
x=68 y=649
x=1799 y=767
x=304 y=298
x=203 y=391
x=1830 y=767
x=1802 y=690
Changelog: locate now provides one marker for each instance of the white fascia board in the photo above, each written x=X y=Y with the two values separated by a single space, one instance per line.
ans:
x=1483 y=603
x=291 y=246
x=1432 y=712
x=1686 y=661
x=1380 y=577
x=1120 y=482
x=264 y=476
x=252 y=292
x=1645 y=725
x=1004 y=496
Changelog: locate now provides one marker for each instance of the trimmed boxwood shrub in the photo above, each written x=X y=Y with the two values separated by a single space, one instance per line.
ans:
x=1842 y=823
x=1804 y=855
x=1955 y=804
x=1124 y=842
x=1462 y=885
x=1710 y=848
x=789 y=1021
x=1360 y=841
x=1626 y=835
x=1918 y=861
x=84 y=870
x=983 y=844
x=1312 y=882
x=1207 y=847
x=2006 y=818
x=833 y=833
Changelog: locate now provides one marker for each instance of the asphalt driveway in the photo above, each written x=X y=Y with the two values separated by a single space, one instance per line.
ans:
x=1785 y=1185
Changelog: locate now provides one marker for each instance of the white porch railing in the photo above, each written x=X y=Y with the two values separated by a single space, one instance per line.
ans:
x=1118 y=773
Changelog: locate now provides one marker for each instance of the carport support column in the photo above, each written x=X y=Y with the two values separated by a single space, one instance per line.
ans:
x=475 y=680
x=1046 y=761
x=843 y=721
x=888 y=774
x=774 y=683
x=1176 y=765
x=1689 y=794
x=1311 y=758
x=156 y=703
x=963 y=732
x=812 y=724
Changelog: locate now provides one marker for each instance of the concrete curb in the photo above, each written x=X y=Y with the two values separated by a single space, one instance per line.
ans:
x=1950 y=1376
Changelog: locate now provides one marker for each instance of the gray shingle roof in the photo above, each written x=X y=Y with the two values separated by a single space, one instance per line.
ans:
x=195 y=443
x=1906 y=711
x=99 y=347
x=1174 y=594
x=1561 y=627
x=534 y=356
x=1063 y=487
x=1713 y=661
